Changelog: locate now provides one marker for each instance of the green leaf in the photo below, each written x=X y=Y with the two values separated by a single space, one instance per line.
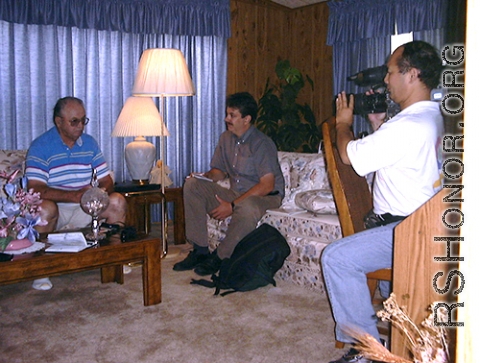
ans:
x=4 y=241
x=290 y=125
x=281 y=69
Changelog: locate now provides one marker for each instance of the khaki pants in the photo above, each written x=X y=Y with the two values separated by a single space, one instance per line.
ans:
x=199 y=199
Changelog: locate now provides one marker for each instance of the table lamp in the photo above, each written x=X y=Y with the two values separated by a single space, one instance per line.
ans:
x=139 y=118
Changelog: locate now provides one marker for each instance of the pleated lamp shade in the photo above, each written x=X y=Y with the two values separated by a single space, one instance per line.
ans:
x=139 y=118
x=163 y=72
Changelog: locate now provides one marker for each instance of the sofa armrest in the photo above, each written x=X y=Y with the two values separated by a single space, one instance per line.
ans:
x=11 y=160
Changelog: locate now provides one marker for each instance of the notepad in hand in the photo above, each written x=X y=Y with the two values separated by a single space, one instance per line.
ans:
x=67 y=242
x=202 y=177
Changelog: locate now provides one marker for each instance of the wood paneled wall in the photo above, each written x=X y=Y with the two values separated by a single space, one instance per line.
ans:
x=264 y=32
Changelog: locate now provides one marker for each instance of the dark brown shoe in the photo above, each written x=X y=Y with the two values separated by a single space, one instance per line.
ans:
x=191 y=261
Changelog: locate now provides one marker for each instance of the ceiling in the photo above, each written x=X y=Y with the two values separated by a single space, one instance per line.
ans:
x=297 y=3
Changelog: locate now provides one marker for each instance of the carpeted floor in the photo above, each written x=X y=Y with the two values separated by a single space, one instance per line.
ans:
x=82 y=320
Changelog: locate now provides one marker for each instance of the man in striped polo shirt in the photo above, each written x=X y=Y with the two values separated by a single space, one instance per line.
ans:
x=59 y=166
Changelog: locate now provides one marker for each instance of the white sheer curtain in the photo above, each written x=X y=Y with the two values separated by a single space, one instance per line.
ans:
x=41 y=63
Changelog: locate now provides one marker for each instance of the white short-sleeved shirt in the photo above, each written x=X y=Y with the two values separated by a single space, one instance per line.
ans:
x=405 y=154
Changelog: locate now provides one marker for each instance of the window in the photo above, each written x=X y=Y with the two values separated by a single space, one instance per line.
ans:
x=399 y=39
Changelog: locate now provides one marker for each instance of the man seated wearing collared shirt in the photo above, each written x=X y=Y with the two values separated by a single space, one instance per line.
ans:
x=59 y=166
x=405 y=154
x=249 y=159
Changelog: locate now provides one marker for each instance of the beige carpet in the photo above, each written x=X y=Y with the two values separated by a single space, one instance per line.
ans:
x=82 y=320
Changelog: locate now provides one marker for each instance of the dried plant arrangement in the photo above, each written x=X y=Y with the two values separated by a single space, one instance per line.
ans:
x=427 y=342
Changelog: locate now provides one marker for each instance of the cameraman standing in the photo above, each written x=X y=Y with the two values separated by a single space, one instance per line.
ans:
x=405 y=154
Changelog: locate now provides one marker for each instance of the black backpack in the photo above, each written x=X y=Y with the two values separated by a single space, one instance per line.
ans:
x=254 y=262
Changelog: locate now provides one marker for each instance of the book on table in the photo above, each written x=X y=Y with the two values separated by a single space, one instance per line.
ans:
x=67 y=242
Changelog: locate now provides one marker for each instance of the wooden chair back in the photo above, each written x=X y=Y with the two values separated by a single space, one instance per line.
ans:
x=350 y=191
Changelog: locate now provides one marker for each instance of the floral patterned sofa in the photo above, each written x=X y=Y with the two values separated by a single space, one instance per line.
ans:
x=307 y=218
x=11 y=160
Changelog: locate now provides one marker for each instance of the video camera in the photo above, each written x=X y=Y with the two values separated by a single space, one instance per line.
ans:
x=370 y=77
x=376 y=102
x=379 y=101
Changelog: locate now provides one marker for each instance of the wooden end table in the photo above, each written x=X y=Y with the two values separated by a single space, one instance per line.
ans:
x=109 y=256
x=138 y=208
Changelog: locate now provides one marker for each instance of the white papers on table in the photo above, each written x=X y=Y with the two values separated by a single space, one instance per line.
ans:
x=67 y=242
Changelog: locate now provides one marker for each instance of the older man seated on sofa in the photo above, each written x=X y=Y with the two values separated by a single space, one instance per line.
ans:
x=59 y=166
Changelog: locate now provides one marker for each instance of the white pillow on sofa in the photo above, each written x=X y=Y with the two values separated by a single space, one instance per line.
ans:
x=319 y=201
x=301 y=172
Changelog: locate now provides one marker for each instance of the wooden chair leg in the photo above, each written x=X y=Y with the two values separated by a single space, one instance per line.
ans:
x=372 y=287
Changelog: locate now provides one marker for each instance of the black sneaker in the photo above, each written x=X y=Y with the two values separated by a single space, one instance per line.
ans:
x=209 y=266
x=191 y=261
x=352 y=356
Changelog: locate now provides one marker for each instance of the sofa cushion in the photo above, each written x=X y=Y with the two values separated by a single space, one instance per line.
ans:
x=301 y=172
x=318 y=201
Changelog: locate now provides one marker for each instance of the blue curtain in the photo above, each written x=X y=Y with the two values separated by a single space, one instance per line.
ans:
x=174 y=17
x=351 y=20
x=414 y=15
x=360 y=32
x=54 y=48
x=427 y=20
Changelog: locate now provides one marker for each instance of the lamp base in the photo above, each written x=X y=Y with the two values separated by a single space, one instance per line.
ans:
x=140 y=156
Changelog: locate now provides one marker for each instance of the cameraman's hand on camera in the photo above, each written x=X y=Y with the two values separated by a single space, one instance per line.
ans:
x=344 y=108
x=376 y=119
x=344 y=120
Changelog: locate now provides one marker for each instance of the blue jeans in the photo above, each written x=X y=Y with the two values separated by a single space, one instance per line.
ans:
x=345 y=263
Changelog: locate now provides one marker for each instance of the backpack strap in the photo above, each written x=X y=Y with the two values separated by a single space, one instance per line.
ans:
x=227 y=292
x=203 y=282
x=214 y=282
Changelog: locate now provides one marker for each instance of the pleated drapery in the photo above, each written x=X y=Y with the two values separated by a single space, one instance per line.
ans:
x=174 y=17
x=417 y=16
x=352 y=20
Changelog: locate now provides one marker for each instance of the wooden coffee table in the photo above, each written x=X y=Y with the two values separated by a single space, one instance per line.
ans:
x=109 y=256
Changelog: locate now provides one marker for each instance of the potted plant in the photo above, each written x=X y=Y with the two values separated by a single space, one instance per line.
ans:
x=290 y=125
